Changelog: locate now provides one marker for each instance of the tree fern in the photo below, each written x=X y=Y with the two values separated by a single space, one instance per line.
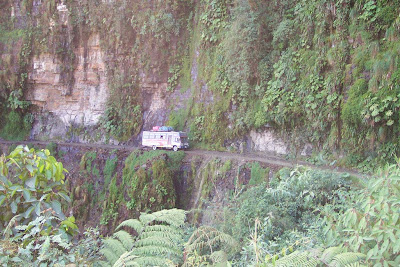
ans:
x=208 y=241
x=347 y=258
x=332 y=257
x=304 y=259
x=133 y=224
x=126 y=259
x=219 y=256
x=125 y=238
x=156 y=241
x=330 y=253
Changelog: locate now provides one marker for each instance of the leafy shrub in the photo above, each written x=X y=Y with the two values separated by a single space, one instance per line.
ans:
x=210 y=246
x=258 y=174
x=32 y=185
x=177 y=119
x=16 y=126
x=52 y=147
x=109 y=169
x=34 y=249
x=351 y=112
x=286 y=211
x=332 y=256
x=369 y=221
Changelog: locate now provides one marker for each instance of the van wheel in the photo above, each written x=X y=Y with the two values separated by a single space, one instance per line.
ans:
x=154 y=147
x=175 y=148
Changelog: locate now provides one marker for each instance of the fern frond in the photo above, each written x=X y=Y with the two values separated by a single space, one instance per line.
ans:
x=155 y=251
x=151 y=261
x=206 y=236
x=330 y=253
x=113 y=246
x=297 y=258
x=110 y=255
x=162 y=231
x=219 y=256
x=126 y=259
x=333 y=257
x=224 y=240
x=132 y=223
x=347 y=258
x=355 y=264
x=159 y=236
x=155 y=241
x=173 y=217
x=125 y=238
x=103 y=263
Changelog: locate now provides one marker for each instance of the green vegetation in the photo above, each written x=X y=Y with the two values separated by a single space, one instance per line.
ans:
x=157 y=241
x=368 y=223
x=258 y=174
x=32 y=195
x=109 y=169
x=304 y=217
x=15 y=121
x=319 y=72
x=32 y=185
x=208 y=245
x=147 y=183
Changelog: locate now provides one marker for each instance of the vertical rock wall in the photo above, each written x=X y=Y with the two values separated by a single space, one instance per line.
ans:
x=85 y=101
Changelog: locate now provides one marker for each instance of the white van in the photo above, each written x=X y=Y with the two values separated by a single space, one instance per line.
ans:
x=172 y=140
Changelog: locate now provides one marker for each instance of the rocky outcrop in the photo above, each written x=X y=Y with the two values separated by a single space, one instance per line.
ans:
x=267 y=141
x=85 y=103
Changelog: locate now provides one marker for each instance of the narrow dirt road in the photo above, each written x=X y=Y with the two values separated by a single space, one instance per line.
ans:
x=264 y=157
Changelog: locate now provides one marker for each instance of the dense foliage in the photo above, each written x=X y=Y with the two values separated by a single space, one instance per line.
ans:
x=304 y=217
x=32 y=184
x=369 y=220
x=317 y=71
x=147 y=183
x=157 y=242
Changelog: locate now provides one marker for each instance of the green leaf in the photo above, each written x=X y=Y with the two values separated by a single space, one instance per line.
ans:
x=14 y=207
x=27 y=194
x=69 y=224
x=2 y=198
x=28 y=212
x=43 y=197
x=41 y=168
x=64 y=196
x=48 y=174
x=37 y=208
x=15 y=187
x=56 y=206
x=31 y=182
x=29 y=167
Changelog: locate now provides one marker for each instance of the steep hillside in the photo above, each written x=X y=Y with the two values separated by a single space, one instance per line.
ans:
x=287 y=76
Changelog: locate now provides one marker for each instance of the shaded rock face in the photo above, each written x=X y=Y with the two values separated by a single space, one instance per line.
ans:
x=267 y=141
x=154 y=99
x=82 y=102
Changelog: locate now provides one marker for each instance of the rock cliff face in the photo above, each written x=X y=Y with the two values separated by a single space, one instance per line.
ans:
x=106 y=70
x=71 y=83
x=82 y=102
